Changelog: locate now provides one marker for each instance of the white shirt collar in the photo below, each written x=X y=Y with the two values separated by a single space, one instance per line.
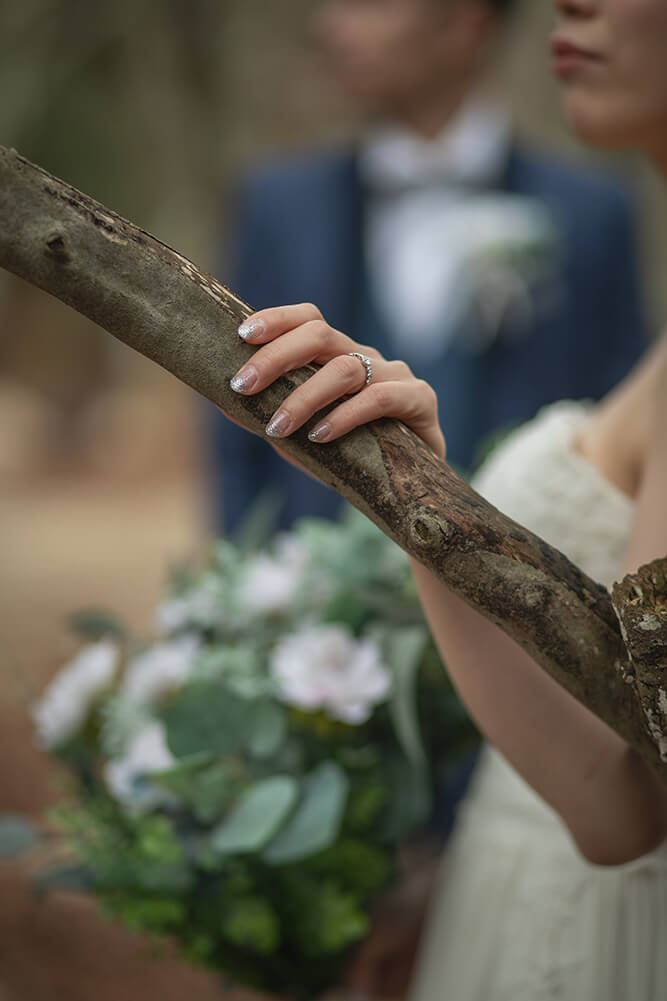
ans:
x=472 y=149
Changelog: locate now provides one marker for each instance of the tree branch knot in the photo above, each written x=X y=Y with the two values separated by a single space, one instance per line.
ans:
x=56 y=246
x=430 y=530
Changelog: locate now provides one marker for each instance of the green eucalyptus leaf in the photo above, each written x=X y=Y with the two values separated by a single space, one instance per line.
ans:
x=211 y=794
x=268 y=729
x=206 y=790
x=256 y=817
x=206 y=718
x=403 y=650
x=16 y=836
x=316 y=820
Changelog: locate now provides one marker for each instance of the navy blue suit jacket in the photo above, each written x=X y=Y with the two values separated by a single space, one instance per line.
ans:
x=299 y=238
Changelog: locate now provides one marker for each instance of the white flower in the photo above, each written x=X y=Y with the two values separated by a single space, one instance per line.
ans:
x=147 y=754
x=325 y=667
x=271 y=582
x=65 y=704
x=161 y=668
x=199 y=607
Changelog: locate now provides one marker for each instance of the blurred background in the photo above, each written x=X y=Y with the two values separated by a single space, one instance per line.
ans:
x=154 y=108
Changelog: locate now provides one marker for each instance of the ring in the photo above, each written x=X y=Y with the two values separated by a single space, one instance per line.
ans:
x=368 y=365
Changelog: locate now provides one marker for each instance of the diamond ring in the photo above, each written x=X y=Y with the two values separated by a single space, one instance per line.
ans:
x=368 y=365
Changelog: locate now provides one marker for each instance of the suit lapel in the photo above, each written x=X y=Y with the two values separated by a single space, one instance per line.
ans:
x=325 y=258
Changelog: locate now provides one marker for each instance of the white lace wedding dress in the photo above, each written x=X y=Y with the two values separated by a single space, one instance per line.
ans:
x=518 y=915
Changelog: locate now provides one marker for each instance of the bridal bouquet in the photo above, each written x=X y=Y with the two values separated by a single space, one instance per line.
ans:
x=244 y=783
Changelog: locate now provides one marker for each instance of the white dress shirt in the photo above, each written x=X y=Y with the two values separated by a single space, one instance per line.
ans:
x=418 y=224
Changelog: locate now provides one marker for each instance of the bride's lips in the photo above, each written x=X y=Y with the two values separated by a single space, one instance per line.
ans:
x=567 y=58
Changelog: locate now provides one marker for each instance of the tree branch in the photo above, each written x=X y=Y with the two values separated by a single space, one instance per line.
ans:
x=640 y=601
x=159 y=303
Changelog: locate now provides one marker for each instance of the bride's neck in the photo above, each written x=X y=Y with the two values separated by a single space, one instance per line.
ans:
x=615 y=438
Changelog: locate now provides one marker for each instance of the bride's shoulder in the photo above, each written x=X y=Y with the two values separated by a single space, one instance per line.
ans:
x=539 y=477
x=539 y=447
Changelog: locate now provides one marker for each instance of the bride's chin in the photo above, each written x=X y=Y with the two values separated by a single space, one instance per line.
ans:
x=600 y=128
x=617 y=125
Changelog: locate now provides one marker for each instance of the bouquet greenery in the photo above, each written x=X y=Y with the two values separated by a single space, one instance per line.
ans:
x=244 y=784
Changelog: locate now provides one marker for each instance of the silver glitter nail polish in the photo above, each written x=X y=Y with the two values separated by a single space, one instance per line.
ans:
x=320 y=433
x=244 y=380
x=249 y=328
x=279 y=424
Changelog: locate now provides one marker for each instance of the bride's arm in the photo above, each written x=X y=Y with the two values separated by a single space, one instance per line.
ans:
x=613 y=805
x=605 y=794
x=608 y=798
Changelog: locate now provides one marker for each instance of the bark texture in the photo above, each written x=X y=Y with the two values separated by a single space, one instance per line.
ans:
x=159 y=303
x=640 y=601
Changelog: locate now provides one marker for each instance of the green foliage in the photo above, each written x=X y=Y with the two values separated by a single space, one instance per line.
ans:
x=317 y=818
x=141 y=853
x=408 y=801
x=206 y=718
x=251 y=922
x=251 y=826
x=206 y=790
x=325 y=918
x=256 y=817
x=364 y=805
x=403 y=650
x=156 y=916
x=357 y=866
x=95 y=624
x=268 y=729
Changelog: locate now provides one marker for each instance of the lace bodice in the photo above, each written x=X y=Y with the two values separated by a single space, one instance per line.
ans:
x=538 y=478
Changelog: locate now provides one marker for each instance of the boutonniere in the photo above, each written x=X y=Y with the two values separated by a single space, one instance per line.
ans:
x=509 y=267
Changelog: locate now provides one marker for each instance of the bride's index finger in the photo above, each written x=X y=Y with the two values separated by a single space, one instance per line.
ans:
x=267 y=324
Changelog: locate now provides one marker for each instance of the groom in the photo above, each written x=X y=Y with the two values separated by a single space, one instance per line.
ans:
x=504 y=277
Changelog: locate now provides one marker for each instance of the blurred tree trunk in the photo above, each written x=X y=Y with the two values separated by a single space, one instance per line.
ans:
x=129 y=99
x=165 y=307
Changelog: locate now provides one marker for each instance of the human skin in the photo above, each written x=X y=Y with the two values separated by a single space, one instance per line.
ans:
x=613 y=805
x=412 y=61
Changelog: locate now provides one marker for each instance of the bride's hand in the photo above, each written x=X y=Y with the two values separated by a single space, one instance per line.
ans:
x=289 y=337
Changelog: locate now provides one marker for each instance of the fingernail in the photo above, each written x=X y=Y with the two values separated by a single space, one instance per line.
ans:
x=244 y=380
x=249 y=329
x=321 y=432
x=279 y=424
